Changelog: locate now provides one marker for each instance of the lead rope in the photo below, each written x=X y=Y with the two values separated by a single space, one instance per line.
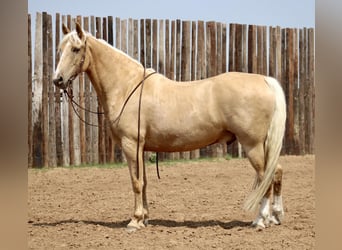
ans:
x=69 y=95
x=138 y=139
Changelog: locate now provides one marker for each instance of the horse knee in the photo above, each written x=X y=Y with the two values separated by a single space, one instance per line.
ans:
x=137 y=186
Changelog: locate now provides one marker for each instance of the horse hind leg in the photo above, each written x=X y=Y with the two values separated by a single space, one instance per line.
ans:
x=256 y=157
x=277 y=209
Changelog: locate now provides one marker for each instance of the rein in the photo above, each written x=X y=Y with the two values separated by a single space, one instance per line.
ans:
x=139 y=112
x=68 y=93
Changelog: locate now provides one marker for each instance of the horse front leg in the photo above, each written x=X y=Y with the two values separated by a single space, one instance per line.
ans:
x=136 y=169
x=145 y=204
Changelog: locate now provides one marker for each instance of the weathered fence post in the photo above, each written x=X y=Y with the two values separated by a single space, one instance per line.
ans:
x=182 y=51
x=29 y=95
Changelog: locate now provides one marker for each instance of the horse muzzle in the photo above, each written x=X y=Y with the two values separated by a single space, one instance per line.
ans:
x=60 y=83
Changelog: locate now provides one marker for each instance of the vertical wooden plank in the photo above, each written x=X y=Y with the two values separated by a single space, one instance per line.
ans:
x=295 y=93
x=37 y=95
x=219 y=48
x=193 y=50
x=110 y=30
x=231 y=61
x=94 y=106
x=117 y=33
x=244 y=67
x=173 y=50
x=264 y=50
x=136 y=40
x=185 y=63
x=289 y=92
x=51 y=96
x=272 y=54
x=239 y=48
x=29 y=93
x=252 y=53
x=212 y=49
x=155 y=44
x=130 y=37
x=142 y=42
x=201 y=61
x=124 y=36
x=185 y=53
x=45 y=111
x=224 y=48
x=161 y=48
x=278 y=54
x=283 y=78
x=311 y=78
x=302 y=78
x=167 y=49
x=178 y=50
x=259 y=50
x=148 y=62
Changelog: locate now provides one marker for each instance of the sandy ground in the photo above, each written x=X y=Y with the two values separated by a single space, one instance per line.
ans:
x=195 y=205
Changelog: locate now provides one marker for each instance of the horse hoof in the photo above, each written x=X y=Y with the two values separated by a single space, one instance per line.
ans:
x=135 y=225
x=258 y=223
x=131 y=229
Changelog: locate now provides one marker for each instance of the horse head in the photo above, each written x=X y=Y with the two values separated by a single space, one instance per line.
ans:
x=73 y=56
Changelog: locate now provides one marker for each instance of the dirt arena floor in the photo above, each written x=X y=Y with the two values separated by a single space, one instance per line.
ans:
x=195 y=205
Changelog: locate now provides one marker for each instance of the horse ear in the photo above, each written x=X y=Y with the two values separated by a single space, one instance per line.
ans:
x=79 y=30
x=65 y=29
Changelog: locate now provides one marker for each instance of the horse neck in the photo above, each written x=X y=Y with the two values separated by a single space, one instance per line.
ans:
x=111 y=72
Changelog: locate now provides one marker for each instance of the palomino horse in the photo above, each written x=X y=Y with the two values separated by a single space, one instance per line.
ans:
x=181 y=116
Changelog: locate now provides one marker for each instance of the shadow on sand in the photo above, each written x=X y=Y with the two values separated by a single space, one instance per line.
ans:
x=157 y=222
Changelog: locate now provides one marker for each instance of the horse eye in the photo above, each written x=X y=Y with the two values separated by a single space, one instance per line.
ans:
x=75 y=50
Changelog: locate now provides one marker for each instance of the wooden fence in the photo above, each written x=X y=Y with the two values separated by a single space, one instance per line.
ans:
x=181 y=50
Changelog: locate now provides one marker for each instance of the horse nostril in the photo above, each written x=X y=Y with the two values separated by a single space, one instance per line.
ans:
x=58 y=81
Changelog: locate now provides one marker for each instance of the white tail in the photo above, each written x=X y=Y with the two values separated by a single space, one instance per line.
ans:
x=273 y=145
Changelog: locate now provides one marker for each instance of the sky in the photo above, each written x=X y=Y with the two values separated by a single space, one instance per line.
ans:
x=284 y=13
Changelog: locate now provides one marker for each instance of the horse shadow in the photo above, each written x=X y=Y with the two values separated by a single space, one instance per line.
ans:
x=156 y=222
